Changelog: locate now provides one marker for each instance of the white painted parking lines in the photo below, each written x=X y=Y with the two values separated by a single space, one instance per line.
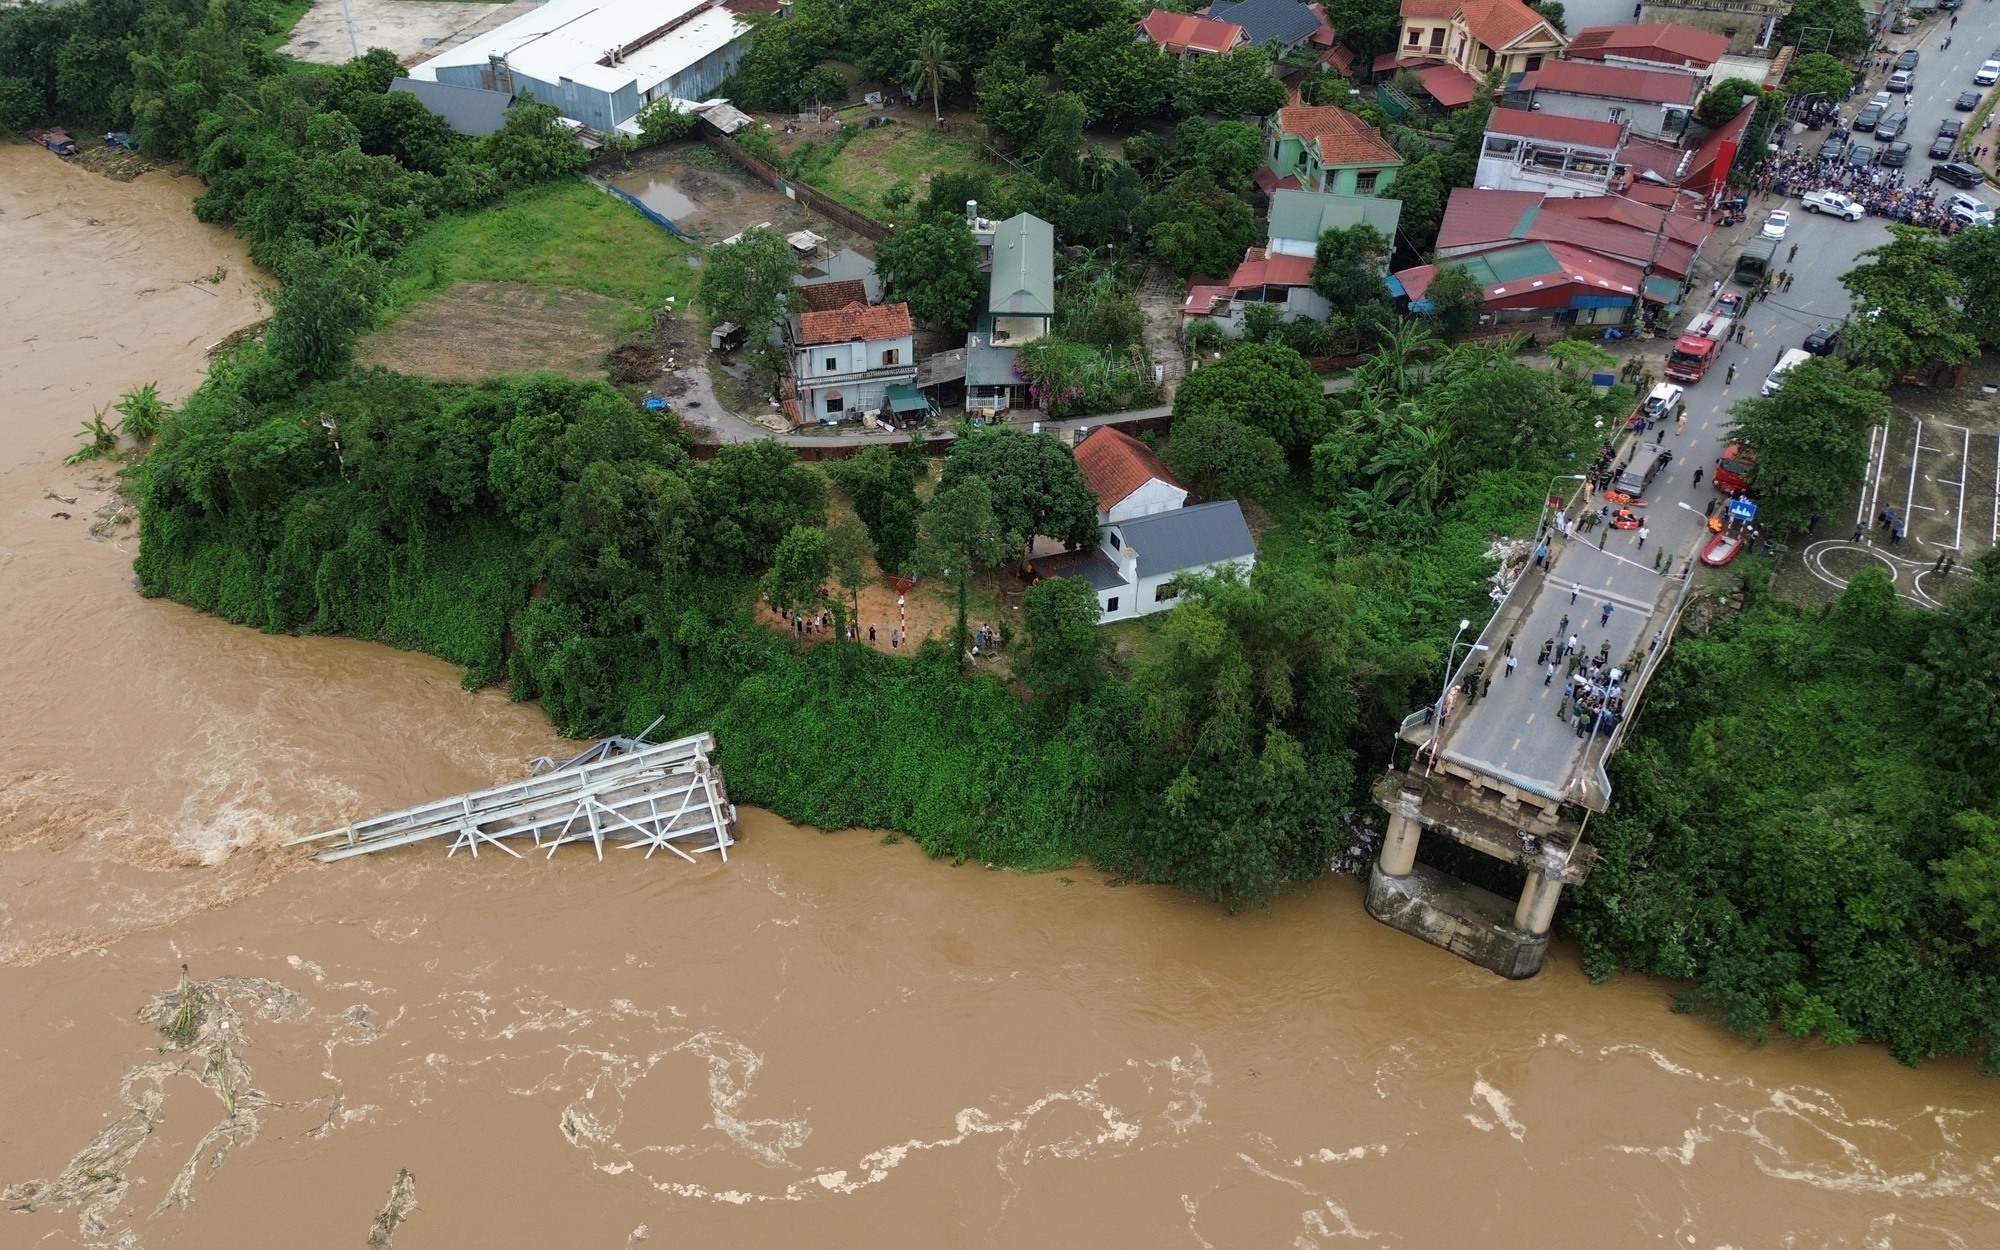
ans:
x=1878 y=451
x=1916 y=455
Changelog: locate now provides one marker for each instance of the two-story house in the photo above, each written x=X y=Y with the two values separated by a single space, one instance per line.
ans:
x=1656 y=103
x=1280 y=24
x=1020 y=305
x=1475 y=36
x=1325 y=148
x=1524 y=151
x=844 y=360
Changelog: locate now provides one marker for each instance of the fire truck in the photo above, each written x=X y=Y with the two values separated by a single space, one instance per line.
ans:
x=1700 y=347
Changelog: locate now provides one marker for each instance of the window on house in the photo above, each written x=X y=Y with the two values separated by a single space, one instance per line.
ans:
x=833 y=364
x=1114 y=541
x=1166 y=592
x=1486 y=58
x=1416 y=37
x=1460 y=54
x=1534 y=63
x=1437 y=40
x=1364 y=181
x=892 y=356
x=834 y=403
x=1112 y=604
x=1617 y=115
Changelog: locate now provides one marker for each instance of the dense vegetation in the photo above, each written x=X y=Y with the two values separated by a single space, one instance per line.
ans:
x=1806 y=829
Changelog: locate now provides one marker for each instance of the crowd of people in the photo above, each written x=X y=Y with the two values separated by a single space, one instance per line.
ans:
x=1882 y=192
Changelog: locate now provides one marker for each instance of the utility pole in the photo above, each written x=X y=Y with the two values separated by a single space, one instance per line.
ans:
x=347 y=11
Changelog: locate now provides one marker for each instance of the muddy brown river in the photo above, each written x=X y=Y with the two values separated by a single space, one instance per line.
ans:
x=826 y=1042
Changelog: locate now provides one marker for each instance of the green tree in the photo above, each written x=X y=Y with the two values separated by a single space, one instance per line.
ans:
x=1723 y=101
x=1120 y=80
x=1264 y=385
x=1454 y=297
x=749 y=282
x=1064 y=658
x=882 y=487
x=1056 y=149
x=750 y=496
x=1423 y=186
x=1229 y=151
x=1347 y=272
x=930 y=69
x=142 y=411
x=1844 y=18
x=533 y=145
x=934 y=266
x=1909 y=305
x=847 y=557
x=960 y=536
x=1368 y=28
x=663 y=121
x=326 y=301
x=21 y=103
x=1197 y=227
x=1818 y=74
x=1035 y=485
x=1238 y=83
x=1552 y=13
x=1219 y=456
x=1811 y=440
x=780 y=66
x=1011 y=102
x=1974 y=255
x=796 y=580
x=1959 y=676
x=1971 y=876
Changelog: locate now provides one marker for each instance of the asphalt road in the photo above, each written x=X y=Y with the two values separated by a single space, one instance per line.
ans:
x=1514 y=731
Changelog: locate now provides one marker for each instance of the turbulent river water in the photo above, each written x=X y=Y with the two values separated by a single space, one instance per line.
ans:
x=826 y=1042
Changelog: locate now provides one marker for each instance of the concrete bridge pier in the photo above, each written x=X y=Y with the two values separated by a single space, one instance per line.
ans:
x=1511 y=939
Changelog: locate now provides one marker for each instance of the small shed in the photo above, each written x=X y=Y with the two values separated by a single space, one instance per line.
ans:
x=727 y=337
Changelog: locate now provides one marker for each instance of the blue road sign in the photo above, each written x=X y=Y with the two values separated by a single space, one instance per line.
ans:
x=1742 y=509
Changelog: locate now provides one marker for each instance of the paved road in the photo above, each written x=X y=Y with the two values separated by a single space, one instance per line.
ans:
x=1514 y=731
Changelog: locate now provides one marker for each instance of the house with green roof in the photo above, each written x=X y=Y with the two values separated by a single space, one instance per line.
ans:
x=1559 y=283
x=1020 y=308
x=1298 y=218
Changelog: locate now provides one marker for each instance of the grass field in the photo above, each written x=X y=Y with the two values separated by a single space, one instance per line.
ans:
x=565 y=236
x=875 y=160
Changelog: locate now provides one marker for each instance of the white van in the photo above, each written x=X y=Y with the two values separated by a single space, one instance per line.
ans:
x=1970 y=210
x=1791 y=360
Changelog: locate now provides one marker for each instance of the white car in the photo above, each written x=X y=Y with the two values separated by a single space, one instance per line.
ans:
x=1833 y=202
x=1774 y=225
x=1988 y=74
x=1970 y=210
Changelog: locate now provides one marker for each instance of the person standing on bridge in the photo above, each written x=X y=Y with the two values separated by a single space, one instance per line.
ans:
x=1644 y=533
x=1659 y=636
x=1550 y=675
x=1697 y=475
x=1604 y=617
x=1548 y=645
x=1511 y=660
x=1571 y=650
x=1793 y=254
x=1575 y=589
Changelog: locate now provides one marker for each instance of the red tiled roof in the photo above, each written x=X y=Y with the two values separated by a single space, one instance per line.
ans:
x=1679 y=227
x=856 y=321
x=1179 y=32
x=1343 y=138
x=1572 y=266
x=1202 y=299
x=1668 y=43
x=1116 y=464
x=1268 y=181
x=1325 y=35
x=1525 y=125
x=1340 y=56
x=1473 y=216
x=1448 y=85
x=829 y=296
x=1614 y=82
x=1498 y=23
x=1260 y=268
x=1440 y=9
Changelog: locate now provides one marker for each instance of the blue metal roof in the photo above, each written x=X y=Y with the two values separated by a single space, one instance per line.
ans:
x=1286 y=21
x=1188 y=538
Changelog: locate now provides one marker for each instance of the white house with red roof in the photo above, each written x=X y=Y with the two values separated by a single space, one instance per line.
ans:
x=1129 y=479
x=1524 y=151
x=1149 y=536
x=1187 y=35
x=1655 y=45
x=845 y=360
x=1655 y=102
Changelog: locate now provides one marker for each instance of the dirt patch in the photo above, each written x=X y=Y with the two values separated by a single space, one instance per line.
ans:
x=478 y=329
x=117 y=164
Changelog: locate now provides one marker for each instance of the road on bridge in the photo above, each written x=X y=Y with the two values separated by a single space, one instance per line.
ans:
x=1515 y=732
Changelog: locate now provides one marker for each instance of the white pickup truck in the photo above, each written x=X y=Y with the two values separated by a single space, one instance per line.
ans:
x=1833 y=202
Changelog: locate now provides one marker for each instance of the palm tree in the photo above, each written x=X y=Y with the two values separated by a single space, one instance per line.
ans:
x=930 y=70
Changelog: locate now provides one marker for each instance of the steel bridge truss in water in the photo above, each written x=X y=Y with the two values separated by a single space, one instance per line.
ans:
x=666 y=796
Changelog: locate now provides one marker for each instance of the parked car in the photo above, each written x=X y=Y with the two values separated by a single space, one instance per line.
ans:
x=1970 y=210
x=1896 y=155
x=1959 y=174
x=1967 y=101
x=1822 y=341
x=1868 y=116
x=1901 y=80
x=1941 y=147
x=1988 y=74
x=1948 y=6
x=1663 y=403
x=1833 y=149
x=1892 y=126
x=1829 y=201
x=1774 y=225
x=1908 y=60
x=1862 y=154
x=1729 y=304
x=1951 y=127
